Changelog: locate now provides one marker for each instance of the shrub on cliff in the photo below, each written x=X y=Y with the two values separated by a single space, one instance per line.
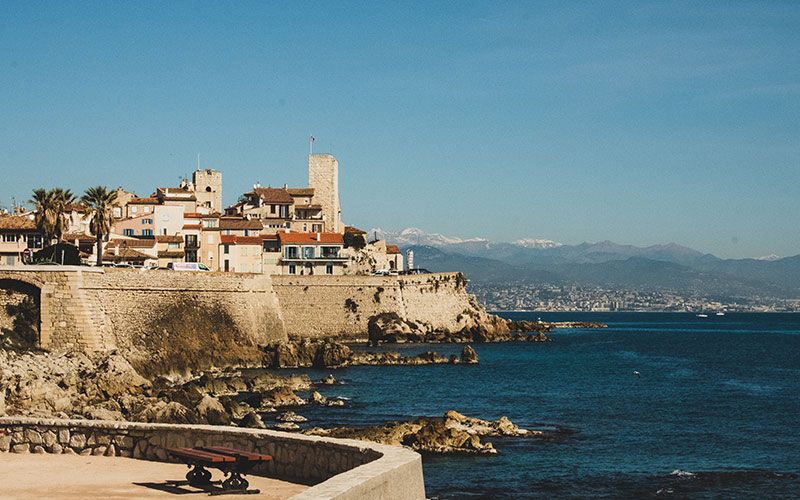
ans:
x=24 y=332
x=354 y=240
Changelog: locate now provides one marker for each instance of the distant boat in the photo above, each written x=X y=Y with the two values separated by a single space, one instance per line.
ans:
x=720 y=313
x=702 y=315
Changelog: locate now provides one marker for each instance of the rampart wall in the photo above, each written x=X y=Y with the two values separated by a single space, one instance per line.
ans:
x=339 y=469
x=325 y=306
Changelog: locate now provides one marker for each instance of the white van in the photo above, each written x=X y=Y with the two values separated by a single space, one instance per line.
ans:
x=187 y=266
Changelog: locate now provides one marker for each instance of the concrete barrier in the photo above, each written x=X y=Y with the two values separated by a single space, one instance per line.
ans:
x=340 y=469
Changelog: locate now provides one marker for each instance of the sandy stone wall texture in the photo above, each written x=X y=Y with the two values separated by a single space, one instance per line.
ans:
x=341 y=306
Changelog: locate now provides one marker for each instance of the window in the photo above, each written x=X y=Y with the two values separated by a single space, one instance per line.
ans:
x=247 y=232
x=272 y=209
x=316 y=228
x=291 y=252
x=34 y=241
x=147 y=232
x=226 y=250
x=292 y=269
x=165 y=218
x=164 y=231
x=284 y=210
x=174 y=246
x=330 y=252
x=329 y=269
x=305 y=227
x=146 y=210
x=270 y=246
x=228 y=232
x=10 y=260
x=147 y=221
x=255 y=268
x=117 y=212
x=243 y=268
x=133 y=209
x=127 y=232
x=244 y=251
x=308 y=252
x=7 y=238
x=210 y=223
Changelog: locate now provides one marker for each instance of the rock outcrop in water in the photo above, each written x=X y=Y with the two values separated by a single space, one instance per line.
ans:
x=452 y=433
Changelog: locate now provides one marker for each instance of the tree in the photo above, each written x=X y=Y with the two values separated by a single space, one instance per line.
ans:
x=49 y=218
x=100 y=202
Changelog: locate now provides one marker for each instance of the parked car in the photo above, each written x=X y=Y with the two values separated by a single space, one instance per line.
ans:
x=187 y=266
x=418 y=270
x=384 y=272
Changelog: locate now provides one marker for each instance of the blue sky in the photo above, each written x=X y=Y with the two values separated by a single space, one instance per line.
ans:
x=641 y=122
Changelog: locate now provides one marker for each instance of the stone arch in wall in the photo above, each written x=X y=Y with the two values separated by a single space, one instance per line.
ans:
x=20 y=310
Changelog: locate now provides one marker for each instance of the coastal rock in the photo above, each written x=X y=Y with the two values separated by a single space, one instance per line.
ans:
x=287 y=426
x=452 y=433
x=252 y=420
x=291 y=416
x=211 y=410
x=469 y=356
x=329 y=380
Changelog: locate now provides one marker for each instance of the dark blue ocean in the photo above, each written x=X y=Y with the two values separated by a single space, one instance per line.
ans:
x=715 y=412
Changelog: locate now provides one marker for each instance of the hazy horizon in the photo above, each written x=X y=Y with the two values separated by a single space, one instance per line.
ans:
x=641 y=123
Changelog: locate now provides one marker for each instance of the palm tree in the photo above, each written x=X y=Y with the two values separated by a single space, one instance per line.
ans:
x=100 y=202
x=49 y=218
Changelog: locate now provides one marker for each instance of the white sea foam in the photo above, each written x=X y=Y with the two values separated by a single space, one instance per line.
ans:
x=682 y=473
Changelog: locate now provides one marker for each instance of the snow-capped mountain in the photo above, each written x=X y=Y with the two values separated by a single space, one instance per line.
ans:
x=413 y=236
x=534 y=243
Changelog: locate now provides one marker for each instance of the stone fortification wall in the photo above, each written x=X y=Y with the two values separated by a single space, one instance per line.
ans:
x=341 y=306
x=170 y=319
x=339 y=468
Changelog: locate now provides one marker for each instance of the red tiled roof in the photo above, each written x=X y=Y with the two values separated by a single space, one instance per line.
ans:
x=193 y=215
x=310 y=238
x=239 y=223
x=269 y=236
x=300 y=191
x=232 y=239
x=192 y=226
x=143 y=201
x=392 y=249
x=132 y=243
x=74 y=207
x=78 y=236
x=278 y=196
x=16 y=222
x=128 y=254
x=166 y=238
x=308 y=207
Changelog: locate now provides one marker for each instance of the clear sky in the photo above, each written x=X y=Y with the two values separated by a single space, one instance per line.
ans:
x=640 y=122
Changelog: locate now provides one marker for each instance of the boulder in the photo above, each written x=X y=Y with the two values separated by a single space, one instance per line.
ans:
x=468 y=355
x=290 y=416
x=252 y=420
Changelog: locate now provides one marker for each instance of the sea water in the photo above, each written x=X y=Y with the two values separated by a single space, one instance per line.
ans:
x=714 y=411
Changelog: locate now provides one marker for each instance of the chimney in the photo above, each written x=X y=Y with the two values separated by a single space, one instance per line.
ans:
x=285 y=186
x=318 y=237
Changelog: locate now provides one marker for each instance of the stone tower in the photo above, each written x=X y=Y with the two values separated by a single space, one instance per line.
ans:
x=208 y=189
x=323 y=176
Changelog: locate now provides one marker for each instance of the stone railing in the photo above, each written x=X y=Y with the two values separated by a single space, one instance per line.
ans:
x=339 y=469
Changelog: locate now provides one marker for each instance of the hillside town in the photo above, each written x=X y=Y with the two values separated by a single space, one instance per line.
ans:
x=270 y=230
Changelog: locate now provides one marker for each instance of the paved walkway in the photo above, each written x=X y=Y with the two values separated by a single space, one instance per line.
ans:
x=71 y=477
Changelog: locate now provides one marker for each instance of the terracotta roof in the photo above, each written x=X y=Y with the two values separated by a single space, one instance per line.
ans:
x=308 y=207
x=269 y=236
x=126 y=254
x=278 y=196
x=192 y=226
x=143 y=201
x=16 y=222
x=310 y=238
x=239 y=223
x=392 y=249
x=78 y=236
x=165 y=238
x=232 y=239
x=351 y=229
x=74 y=207
x=300 y=191
x=132 y=243
x=193 y=215
x=171 y=253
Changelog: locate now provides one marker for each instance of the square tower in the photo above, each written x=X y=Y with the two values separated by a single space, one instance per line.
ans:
x=208 y=189
x=323 y=176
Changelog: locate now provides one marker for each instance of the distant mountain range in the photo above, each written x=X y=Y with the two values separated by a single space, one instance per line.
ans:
x=607 y=264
